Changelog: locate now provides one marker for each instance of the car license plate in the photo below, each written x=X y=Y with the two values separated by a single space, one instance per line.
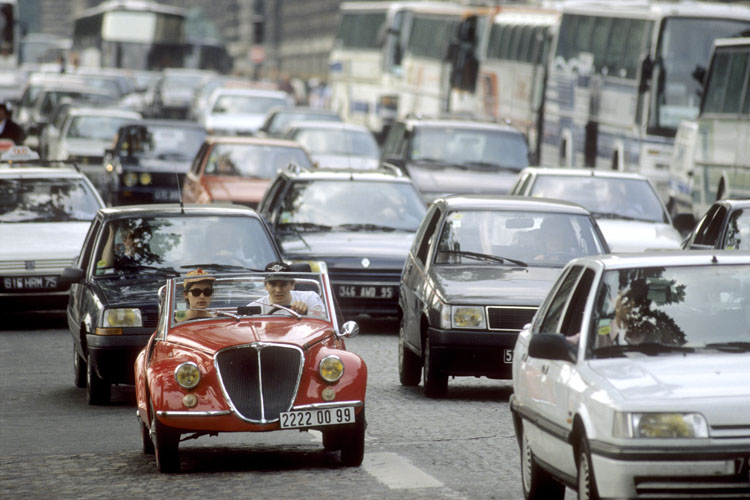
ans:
x=366 y=292
x=166 y=195
x=315 y=418
x=508 y=355
x=30 y=282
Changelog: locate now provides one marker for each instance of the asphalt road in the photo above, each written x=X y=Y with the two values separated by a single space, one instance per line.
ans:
x=54 y=445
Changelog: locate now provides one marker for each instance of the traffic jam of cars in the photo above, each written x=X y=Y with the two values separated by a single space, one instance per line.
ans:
x=216 y=244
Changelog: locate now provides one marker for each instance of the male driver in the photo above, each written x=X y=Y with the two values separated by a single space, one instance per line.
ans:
x=8 y=128
x=279 y=284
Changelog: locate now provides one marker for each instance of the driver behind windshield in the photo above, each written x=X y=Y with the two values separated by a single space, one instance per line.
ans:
x=279 y=286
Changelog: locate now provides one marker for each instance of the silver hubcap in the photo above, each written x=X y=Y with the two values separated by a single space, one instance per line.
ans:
x=526 y=463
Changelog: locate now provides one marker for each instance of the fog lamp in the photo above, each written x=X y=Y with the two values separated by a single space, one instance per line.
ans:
x=190 y=400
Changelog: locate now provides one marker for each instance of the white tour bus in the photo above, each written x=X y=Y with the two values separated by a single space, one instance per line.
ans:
x=389 y=59
x=621 y=78
x=9 y=34
x=711 y=157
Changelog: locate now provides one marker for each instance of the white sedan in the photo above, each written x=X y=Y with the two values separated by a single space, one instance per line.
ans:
x=632 y=379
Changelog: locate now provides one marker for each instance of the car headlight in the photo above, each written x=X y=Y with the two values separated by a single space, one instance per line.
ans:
x=331 y=368
x=660 y=425
x=130 y=179
x=118 y=318
x=145 y=179
x=468 y=317
x=187 y=375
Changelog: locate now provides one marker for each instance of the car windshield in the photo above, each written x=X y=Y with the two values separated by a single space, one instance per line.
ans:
x=95 y=127
x=489 y=237
x=163 y=142
x=179 y=243
x=53 y=98
x=259 y=161
x=351 y=205
x=324 y=141
x=604 y=197
x=246 y=104
x=247 y=296
x=46 y=200
x=654 y=310
x=737 y=235
x=485 y=149
x=282 y=119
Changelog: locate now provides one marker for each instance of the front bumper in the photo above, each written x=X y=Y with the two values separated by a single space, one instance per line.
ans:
x=112 y=357
x=472 y=353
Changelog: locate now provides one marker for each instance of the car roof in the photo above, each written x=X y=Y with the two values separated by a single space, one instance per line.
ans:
x=102 y=111
x=734 y=203
x=520 y=203
x=250 y=91
x=344 y=174
x=666 y=258
x=19 y=170
x=175 y=210
x=258 y=141
x=583 y=172
x=163 y=122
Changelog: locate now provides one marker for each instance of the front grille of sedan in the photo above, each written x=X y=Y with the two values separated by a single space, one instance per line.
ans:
x=509 y=318
x=260 y=379
x=732 y=486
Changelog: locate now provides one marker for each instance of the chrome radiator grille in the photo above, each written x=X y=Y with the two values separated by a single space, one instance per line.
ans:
x=260 y=379
x=509 y=318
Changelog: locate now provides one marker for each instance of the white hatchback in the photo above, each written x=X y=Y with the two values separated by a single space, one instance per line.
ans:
x=632 y=379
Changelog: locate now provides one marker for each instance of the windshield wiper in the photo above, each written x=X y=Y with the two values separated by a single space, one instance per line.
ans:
x=149 y=269
x=612 y=215
x=730 y=346
x=221 y=267
x=484 y=256
x=365 y=227
x=649 y=348
x=304 y=226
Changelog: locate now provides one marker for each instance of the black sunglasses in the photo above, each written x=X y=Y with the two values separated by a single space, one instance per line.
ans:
x=205 y=291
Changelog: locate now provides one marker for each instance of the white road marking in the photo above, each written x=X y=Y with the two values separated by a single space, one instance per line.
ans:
x=396 y=472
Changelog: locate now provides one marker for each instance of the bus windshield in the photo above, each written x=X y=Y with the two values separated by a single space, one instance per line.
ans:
x=361 y=30
x=686 y=45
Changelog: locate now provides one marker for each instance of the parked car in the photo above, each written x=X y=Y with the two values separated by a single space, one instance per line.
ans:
x=726 y=224
x=476 y=273
x=360 y=223
x=127 y=255
x=450 y=156
x=149 y=159
x=336 y=145
x=631 y=382
x=627 y=207
x=245 y=369
x=278 y=119
x=240 y=111
x=239 y=169
x=44 y=214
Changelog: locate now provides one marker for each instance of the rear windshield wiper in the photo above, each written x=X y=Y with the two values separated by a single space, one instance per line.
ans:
x=649 y=348
x=484 y=256
x=730 y=346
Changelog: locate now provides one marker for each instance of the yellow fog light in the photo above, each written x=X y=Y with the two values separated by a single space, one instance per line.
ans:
x=118 y=318
x=331 y=368
x=328 y=394
x=190 y=400
x=145 y=179
x=130 y=179
x=187 y=375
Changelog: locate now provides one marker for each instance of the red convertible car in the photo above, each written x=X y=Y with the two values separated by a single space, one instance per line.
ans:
x=225 y=358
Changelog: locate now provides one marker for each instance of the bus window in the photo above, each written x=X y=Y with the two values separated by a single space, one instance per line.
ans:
x=616 y=47
x=584 y=30
x=632 y=49
x=735 y=83
x=717 y=85
x=361 y=30
x=494 y=44
x=599 y=39
x=505 y=42
x=524 y=47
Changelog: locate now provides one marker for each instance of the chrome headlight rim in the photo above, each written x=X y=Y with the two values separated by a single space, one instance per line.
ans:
x=660 y=425
x=195 y=376
x=331 y=368
x=116 y=318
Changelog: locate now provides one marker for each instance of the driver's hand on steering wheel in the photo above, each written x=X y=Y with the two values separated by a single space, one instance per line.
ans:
x=299 y=307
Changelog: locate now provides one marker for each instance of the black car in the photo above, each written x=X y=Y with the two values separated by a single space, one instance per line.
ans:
x=148 y=159
x=359 y=222
x=128 y=254
x=479 y=268
x=452 y=156
x=725 y=225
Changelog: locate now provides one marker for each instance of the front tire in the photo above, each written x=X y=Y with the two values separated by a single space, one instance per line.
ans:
x=165 y=442
x=98 y=390
x=409 y=364
x=586 y=482
x=435 y=383
x=353 y=442
x=80 y=367
x=148 y=445
x=536 y=482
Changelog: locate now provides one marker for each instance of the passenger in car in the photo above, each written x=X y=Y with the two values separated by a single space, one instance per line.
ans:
x=279 y=286
x=198 y=289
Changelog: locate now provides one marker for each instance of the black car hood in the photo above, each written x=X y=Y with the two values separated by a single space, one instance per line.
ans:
x=170 y=164
x=126 y=292
x=336 y=244
x=462 y=284
x=459 y=180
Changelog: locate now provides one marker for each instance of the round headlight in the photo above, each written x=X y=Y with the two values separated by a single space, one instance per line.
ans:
x=130 y=179
x=331 y=368
x=145 y=179
x=187 y=375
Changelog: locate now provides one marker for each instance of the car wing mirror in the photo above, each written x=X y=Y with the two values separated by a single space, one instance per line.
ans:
x=552 y=346
x=72 y=275
x=350 y=329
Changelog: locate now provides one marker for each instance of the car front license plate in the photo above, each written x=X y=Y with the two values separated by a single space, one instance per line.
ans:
x=366 y=291
x=30 y=282
x=316 y=418
x=166 y=195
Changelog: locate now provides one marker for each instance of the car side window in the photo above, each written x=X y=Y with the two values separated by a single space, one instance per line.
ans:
x=195 y=167
x=710 y=228
x=555 y=310
x=271 y=199
x=426 y=239
x=573 y=320
x=88 y=245
x=393 y=146
x=525 y=185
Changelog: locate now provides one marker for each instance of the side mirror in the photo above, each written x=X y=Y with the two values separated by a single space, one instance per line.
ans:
x=552 y=347
x=684 y=222
x=72 y=275
x=350 y=329
x=647 y=71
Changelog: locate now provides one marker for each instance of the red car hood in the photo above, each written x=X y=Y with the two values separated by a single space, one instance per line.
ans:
x=236 y=189
x=213 y=336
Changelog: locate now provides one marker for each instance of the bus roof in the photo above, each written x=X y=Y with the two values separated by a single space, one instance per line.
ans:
x=132 y=5
x=421 y=6
x=518 y=14
x=732 y=42
x=656 y=10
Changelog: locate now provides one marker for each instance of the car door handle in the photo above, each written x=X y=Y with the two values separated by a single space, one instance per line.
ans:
x=545 y=369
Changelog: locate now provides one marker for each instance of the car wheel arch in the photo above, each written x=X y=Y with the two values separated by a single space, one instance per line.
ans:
x=424 y=324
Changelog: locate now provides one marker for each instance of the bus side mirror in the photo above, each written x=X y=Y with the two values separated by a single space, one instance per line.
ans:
x=699 y=74
x=647 y=71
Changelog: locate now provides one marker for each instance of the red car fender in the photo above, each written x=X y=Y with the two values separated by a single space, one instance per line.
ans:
x=352 y=386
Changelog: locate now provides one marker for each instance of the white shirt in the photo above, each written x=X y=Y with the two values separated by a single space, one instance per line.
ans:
x=313 y=301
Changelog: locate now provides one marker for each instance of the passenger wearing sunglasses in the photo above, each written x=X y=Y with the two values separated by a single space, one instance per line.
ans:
x=198 y=289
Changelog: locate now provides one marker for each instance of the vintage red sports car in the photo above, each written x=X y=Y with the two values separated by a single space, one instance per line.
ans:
x=225 y=360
